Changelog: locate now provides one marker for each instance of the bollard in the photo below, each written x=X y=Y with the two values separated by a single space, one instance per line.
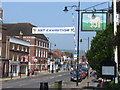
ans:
x=43 y=85
x=58 y=85
x=11 y=75
x=88 y=84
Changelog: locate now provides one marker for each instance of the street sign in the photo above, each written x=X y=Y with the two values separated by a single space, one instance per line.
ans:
x=53 y=30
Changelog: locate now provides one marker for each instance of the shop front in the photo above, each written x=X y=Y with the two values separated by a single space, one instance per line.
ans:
x=13 y=68
x=24 y=67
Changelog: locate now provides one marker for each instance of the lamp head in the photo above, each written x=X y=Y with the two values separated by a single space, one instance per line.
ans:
x=65 y=9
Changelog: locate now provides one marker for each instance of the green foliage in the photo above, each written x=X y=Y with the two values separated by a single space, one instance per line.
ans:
x=101 y=49
x=112 y=85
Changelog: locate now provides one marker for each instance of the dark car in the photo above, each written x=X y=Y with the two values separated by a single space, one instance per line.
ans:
x=74 y=75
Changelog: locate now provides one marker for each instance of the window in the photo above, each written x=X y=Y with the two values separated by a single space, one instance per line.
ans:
x=39 y=43
x=26 y=49
x=17 y=57
x=36 y=52
x=0 y=51
x=22 y=49
x=13 y=57
x=39 y=52
x=0 y=36
x=42 y=44
x=13 y=46
x=18 y=47
x=21 y=58
x=46 y=54
x=36 y=42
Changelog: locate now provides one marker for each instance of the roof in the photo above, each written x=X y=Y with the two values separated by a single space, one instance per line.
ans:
x=2 y=27
x=3 y=59
x=14 y=29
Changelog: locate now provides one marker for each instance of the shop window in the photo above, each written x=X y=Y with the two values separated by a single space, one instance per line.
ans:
x=14 y=68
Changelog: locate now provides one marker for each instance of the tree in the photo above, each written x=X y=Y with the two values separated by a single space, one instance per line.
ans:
x=101 y=48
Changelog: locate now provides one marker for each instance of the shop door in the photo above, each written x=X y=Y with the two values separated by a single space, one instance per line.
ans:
x=23 y=69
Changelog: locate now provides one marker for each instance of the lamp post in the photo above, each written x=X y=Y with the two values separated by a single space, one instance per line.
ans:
x=86 y=39
x=88 y=49
x=78 y=10
x=51 y=56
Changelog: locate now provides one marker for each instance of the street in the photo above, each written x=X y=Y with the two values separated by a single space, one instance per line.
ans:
x=34 y=82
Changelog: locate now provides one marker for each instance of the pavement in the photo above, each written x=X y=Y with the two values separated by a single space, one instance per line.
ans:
x=87 y=82
x=25 y=76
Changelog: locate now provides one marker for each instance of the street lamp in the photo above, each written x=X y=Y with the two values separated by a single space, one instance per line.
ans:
x=51 y=55
x=88 y=50
x=86 y=39
x=78 y=10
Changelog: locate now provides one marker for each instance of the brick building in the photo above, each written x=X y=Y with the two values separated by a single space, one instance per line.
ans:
x=17 y=51
x=38 y=54
x=3 y=61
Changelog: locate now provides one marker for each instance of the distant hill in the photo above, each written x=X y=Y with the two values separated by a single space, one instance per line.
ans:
x=82 y=52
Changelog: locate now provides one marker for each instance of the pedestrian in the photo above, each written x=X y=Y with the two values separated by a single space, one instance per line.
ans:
x=28 y=73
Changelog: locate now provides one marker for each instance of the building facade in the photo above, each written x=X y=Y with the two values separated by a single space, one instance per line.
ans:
x=38 y=53
x=3 y=61
x=17 y=51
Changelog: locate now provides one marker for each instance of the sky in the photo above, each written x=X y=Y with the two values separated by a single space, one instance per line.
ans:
x=50 y=14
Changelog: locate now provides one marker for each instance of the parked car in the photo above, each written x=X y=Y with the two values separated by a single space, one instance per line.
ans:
x=74 y=75
x=83 y=75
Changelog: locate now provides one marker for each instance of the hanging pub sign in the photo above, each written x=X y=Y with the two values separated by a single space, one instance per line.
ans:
x=53 y=30
x=93 y=21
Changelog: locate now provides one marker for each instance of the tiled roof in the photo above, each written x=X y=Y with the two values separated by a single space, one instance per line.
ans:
x=26 y=28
